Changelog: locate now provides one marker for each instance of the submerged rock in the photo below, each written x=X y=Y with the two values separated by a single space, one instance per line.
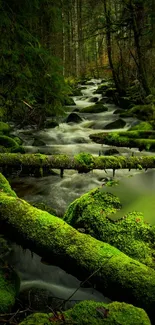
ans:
x=90 y=312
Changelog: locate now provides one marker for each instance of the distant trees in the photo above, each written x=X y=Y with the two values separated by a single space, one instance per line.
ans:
x=43 y=41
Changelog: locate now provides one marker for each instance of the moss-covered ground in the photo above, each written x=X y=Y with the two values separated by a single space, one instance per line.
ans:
x=89 y=312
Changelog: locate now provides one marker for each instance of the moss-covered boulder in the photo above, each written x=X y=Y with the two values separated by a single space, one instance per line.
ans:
x=8 y=144
x=4 y=128
x=89 y=312
x=97 y=108
x=118 y=124
x=144 y=112
x=141 y=126
x=90 y=212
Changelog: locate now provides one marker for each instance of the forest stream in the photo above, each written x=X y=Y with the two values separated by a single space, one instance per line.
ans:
x=58 y=193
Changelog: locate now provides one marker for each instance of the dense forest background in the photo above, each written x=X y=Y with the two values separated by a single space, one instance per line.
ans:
x=46 y=46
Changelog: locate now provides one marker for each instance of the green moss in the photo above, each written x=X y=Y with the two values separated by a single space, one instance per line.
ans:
x=9 y=287
x=116 y=275
x=144 y=140
x=4 y=128
x=144 y=112
x=95 y=313
x=86 y=160
x=7 y=141
x=97 y=108
x=91 y=212
x=142 y=126
x=5 y=186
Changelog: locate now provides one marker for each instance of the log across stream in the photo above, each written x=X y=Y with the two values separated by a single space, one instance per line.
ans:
x=40 y=165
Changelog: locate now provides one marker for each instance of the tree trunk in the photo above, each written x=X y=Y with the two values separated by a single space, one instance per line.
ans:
x=140 y=55
x=109 y=46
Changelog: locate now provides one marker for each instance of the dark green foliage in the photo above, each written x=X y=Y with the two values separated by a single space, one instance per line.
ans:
x=32 y=83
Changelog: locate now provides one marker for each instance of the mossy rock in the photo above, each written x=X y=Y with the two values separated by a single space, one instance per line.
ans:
x=144 y=112
x=4 y=128
x=118 y=111
x=97 y=108
x=69 y=101
x=142 y=126
x=8 y=144
x=9 y=287
x=115 y=125
x=102 y=88
x=91 y=211
x=7 y=141
x=95 y=313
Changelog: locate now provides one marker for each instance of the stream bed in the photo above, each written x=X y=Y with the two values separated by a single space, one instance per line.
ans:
x=58 y=193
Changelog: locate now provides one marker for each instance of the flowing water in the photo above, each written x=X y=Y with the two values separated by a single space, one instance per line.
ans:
x=59 y=192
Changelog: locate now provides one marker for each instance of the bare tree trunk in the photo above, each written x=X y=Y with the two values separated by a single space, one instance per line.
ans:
x=140 y=55
x=109 y=46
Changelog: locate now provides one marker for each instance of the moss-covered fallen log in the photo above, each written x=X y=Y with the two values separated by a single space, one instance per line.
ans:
x=114 y=273
x=40 y=165
x=144 y=140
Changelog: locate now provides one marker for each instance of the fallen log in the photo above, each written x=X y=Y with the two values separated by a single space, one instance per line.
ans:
x=143 y=140
x=115 y=274
x=41 y=165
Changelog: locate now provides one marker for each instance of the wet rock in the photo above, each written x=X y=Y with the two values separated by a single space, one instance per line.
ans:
x=93 y=100
x=118 y=111
x=118 y=124
x=51 y=124
x=105 y=100
x=97 y=108
x=111 y=152
x=90 y=83
x=73 y=117
x=38 y=142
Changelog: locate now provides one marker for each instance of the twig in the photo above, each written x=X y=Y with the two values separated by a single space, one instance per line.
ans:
x=83 y=282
